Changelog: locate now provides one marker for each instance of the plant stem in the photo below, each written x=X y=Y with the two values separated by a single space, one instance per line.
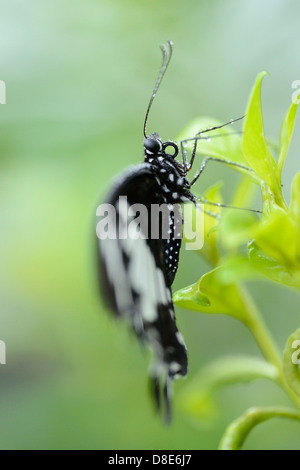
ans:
x=265 y=341
x=237 y=432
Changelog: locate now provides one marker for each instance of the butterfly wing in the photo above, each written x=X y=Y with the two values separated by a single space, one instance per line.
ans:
x=136 y=277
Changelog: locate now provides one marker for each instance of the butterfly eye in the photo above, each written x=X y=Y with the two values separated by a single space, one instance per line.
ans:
x=152 y=145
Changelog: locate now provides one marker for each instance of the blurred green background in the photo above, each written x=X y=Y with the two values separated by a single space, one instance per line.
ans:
x=79 y=75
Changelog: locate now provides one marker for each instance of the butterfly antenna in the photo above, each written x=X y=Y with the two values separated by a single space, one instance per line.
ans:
x=167 y=54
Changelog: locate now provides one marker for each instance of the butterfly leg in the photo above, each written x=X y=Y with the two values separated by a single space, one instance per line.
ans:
x=184 y=165
x=205 y=201
x=220 y=160
x=218 y=204
x=197 y=137
x=209 y=129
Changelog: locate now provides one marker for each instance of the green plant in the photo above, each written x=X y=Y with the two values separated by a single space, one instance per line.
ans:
x=272 y=252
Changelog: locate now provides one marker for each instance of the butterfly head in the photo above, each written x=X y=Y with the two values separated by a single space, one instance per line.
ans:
x=154 y=147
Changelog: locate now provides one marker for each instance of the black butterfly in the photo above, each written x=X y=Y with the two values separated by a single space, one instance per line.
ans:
x=136 y=274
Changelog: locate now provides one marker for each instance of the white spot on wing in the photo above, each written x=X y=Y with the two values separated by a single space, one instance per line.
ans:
x=180 y=338
x=143 y=276
x=174 y=367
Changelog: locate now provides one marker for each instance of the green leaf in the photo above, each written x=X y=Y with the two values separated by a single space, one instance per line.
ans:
x=210 y=250
x=237 y=228
x=238 y=269
x=244 y=193
x=209 y=295
x=270 y=267
x=291 y=360
x=254 y=144
x=286 y=132
x=294 y=209
x=192 y=299
x=237 y=432
x=257 y=266
x=295 y=199
x=196 y=215
x=222 y=143
x=277 y=237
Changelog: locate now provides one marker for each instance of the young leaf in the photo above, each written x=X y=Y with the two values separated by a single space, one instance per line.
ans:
x=258 y=266
x=237 y=228
x=254 y=144
x=294 y=209
x=206 y=214
x=238 y=269
x=244 y=193
x=209 y=295
x=192 y=299
x=277 y=237
x=271 y=267
x=222 y=143
x=210 y=250
x=286 y=132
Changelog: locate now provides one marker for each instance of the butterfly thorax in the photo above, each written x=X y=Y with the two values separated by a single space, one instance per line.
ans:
x=170 y=176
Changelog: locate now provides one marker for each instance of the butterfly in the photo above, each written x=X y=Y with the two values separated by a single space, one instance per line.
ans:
x=137 y=269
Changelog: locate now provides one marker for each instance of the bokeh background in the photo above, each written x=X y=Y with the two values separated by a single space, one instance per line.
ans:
x=79 y=75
